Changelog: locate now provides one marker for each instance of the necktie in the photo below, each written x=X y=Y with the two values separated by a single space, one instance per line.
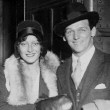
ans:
x=76 y=75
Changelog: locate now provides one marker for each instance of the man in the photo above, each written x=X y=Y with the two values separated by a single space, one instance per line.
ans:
x=85 y=76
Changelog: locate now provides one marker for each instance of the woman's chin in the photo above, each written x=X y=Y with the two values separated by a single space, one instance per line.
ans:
x=30 y=61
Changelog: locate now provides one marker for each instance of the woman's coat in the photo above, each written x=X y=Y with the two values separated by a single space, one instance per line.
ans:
x=15 y=83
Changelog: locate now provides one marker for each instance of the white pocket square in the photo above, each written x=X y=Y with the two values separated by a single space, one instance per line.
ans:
x=100 y=86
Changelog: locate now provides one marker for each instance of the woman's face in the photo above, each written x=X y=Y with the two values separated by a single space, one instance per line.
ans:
x=30 y=49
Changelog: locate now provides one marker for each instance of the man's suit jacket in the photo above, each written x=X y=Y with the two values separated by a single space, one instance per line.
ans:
x=95 y=83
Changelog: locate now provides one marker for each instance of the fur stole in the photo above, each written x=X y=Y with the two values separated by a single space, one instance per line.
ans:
x=14 y=78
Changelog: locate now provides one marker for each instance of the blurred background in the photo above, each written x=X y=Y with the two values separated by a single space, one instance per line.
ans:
x=48 y=13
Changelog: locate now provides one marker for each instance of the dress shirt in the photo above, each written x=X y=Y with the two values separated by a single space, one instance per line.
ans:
x=84 y=59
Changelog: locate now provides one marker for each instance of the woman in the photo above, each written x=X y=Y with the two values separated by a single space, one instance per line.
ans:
x=29 y=74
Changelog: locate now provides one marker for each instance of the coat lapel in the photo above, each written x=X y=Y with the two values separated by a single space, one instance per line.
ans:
x=92 y=74
x=65 y=75
x=68 y=84
x=71 y=85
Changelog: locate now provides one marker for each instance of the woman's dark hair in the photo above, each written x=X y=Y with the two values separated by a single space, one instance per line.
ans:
x=26 y=28
x=21 y=39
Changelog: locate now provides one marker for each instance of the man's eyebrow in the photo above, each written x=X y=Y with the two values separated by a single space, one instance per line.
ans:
x=68 y=29
x=85 y=27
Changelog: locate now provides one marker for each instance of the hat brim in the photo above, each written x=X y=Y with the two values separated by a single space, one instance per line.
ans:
x=93 y=18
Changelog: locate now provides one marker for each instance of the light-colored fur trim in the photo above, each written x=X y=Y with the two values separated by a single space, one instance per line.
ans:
x=49 y=66
x=13 y=76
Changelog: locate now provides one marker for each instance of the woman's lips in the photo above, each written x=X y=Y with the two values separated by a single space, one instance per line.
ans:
x=30 y=55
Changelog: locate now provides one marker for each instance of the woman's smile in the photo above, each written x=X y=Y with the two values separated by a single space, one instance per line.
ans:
x=30 y=55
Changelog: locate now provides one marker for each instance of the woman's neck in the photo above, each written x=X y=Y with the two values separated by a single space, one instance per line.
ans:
x=35 y=67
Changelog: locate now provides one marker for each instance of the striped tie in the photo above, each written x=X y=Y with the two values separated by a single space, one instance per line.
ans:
x=76 y=75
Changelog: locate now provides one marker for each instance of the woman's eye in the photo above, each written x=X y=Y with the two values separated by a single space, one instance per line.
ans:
x=23 y=44
x=83 y=30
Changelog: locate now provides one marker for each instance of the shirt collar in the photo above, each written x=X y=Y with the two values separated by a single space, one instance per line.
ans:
x=85 y=58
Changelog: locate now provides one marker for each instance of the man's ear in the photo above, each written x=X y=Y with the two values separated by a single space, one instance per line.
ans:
x=64 y=39
x=93 y=31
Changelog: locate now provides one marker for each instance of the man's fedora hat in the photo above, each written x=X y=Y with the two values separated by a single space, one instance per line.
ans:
x=76 y=12
x=29 y=27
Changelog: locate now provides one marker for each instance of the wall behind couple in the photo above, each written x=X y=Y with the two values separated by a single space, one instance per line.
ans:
x=48 y=13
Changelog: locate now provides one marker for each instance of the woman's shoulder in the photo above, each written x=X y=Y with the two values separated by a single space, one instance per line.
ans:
x=50 y=60
x=9 y=64
x=11 y=60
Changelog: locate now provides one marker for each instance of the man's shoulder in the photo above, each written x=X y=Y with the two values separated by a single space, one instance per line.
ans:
x=105 y=55
x=64 y=65
x=65 y=62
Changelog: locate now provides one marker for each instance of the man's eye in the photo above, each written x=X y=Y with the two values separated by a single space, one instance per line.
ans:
x=82 y=30
x=35 y=44
x=68 y=32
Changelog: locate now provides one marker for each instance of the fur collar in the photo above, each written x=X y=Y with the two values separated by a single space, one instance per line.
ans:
x=14 y=84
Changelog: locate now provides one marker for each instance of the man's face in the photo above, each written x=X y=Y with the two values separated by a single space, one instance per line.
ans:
x=78 y=36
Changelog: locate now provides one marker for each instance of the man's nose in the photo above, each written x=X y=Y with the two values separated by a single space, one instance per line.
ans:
x=76 y=36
